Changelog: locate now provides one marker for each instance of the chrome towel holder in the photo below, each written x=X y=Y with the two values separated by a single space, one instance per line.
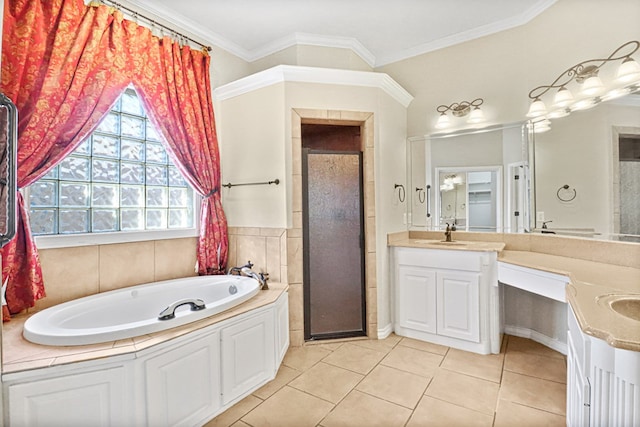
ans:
x=568 y=195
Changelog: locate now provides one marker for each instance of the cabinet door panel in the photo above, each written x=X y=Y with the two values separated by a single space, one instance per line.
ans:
x=416 y=307
x=71 y=400
x=183 y=385
x=458 y=305
x=248 y=355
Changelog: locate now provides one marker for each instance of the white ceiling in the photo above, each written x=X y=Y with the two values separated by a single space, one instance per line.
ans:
x=380 y=31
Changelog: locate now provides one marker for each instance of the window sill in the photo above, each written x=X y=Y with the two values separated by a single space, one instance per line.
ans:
x=94 y=239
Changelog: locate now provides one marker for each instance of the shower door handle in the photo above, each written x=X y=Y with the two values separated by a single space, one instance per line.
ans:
x=9 y=181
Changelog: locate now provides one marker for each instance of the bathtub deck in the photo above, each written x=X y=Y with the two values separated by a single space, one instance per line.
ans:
x=18 y=354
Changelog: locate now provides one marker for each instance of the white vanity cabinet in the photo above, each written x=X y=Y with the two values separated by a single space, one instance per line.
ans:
x=448 y=297
x=603 y=382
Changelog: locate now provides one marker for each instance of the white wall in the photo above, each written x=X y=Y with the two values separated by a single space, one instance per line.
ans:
x=255 y=145
x=502 y=68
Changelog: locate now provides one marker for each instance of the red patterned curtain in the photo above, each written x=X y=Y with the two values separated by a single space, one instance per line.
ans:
x=178 y=100
x=64 y=64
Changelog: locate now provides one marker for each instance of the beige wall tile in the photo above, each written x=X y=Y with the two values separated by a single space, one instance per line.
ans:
x=272 y=232
x=252 y=248
x=273 y=258
x=175 y=258
x=126 y=264
x=294 y=260
x=68 y=273
x=296 y=304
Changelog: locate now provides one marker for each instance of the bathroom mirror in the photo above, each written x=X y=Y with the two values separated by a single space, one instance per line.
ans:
x=469 y=198
x=587 y=172
x=499 y=150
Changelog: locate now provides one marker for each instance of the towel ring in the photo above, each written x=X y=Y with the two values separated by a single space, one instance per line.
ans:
x=401 y=192
x=421 y=194
x=568 y=198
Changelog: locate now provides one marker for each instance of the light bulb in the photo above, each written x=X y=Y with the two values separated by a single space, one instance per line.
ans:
x=537 y=109
x=476 y=116
x=443 y=122
x=563 y=98
x=542 y=126
x=592 y=86
x=628 y=71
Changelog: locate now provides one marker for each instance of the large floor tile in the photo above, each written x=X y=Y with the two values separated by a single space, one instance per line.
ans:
x=548 y=368
x=485 y=366
x=524 y=345
x=289 y=408
x=463 y=390
x=355 y=358
x=360 y=409
x=424 y=346
x=233 y=414
x=535 y=392
x=411 y=360
x=284 y=376
x=400 y=387
x=384 y=346
x=327 y=382
x=303 y=358
x=438 y=413
x=512 y=414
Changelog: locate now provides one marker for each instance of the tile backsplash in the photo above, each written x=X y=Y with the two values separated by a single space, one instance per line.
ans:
x=71 y=273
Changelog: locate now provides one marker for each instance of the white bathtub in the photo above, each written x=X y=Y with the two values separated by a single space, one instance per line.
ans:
x=134 y=311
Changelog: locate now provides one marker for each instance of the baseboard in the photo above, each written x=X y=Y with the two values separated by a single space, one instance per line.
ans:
x=536 y=336
x=385 y=332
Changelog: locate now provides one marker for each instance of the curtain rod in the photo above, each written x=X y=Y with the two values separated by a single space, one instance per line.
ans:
x=153 y=22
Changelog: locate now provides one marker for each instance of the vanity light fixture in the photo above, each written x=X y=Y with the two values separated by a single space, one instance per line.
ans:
x=460 y=109
x=592 y=89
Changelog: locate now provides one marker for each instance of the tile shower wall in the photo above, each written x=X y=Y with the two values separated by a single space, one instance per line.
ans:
x=71 y=273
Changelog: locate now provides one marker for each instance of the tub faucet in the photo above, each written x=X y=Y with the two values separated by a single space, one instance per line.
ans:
x=245 y=270
x=447 y=233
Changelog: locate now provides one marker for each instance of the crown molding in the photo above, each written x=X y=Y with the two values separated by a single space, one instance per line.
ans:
x=189 y=26
x=291 y=73
x=305 y=39
x=466 y=36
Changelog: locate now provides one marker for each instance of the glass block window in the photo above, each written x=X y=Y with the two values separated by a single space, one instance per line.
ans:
x=119 y=179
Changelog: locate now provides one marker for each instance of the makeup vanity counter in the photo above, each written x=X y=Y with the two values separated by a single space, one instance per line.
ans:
x=590 y=283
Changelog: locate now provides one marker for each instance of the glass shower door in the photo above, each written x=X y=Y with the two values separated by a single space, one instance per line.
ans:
x=333 y=244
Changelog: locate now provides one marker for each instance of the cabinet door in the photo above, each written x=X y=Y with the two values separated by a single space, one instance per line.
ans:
x=416 y=293
x=183 y=384
x=458 y=305
x=248 y=355
x=98 y=397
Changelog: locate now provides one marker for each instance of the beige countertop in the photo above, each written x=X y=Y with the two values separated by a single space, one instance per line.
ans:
x=456 y=245
x=18 y=354
x=590 y=282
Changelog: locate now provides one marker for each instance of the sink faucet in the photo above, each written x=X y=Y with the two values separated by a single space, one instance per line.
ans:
x=245 y=270
x=447 y=232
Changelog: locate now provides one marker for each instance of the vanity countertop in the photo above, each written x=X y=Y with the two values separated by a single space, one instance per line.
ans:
x=456 y=245
x=591 y=283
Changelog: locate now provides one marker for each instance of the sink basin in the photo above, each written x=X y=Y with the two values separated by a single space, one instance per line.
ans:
x=627 y=306
x=440 y=243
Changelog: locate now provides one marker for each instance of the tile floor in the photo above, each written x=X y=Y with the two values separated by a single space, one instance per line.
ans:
x=404 y=382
